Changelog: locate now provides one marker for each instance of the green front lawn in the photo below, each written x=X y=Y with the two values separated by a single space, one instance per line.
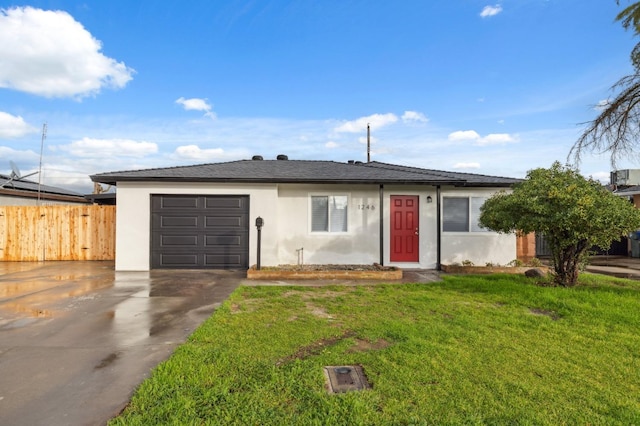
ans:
x=470 y=349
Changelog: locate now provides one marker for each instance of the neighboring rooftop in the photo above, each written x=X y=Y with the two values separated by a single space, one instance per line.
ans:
x=27 y=185
x=631 y=190
x=303 y=171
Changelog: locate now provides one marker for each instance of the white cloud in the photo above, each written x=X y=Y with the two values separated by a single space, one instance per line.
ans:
x=331 y=145
x=50 y=54
x=7 y=153
x=197 y=104
x=466 y=166
x=194 y=152
x=497 y=139
x=97 y=148
x=602 y=177
x=12 y=126
x=600 y=106
x=490 y=139
x=414 y=117
x=375 y=121
x=490 y=11
x=464 y=135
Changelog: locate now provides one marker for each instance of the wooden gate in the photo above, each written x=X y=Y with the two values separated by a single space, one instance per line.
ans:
x=60 y=232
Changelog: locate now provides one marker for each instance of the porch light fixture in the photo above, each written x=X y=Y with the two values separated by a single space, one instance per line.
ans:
x=429 y=199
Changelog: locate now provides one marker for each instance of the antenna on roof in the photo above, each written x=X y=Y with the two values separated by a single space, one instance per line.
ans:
x=368 y=143
x=15 y=171
x=15 y=175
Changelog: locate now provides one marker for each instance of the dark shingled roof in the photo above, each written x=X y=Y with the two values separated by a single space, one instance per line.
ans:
x=27 y=185
x=303 y=171
x=631 y=190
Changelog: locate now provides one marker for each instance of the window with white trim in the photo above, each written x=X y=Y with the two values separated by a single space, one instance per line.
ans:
x=461 y=214
x=329 y=213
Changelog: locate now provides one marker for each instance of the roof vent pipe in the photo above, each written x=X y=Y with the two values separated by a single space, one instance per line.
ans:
x=350 y=161
x=282 y=157
x=257 y=158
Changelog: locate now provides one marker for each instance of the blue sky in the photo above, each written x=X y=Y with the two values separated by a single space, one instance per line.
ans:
x=491 y=87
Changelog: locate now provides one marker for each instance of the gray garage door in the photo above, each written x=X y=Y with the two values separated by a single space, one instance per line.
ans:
x=199 y=231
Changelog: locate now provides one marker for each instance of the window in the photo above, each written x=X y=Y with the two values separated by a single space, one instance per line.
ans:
x=329 y=213
x=461 y=214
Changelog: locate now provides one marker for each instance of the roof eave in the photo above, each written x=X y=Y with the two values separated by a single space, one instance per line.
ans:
x=113 y=180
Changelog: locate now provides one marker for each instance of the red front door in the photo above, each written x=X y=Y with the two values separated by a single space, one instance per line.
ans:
x=404 y=228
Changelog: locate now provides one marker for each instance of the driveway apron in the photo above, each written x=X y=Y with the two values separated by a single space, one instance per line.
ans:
x=76 y=338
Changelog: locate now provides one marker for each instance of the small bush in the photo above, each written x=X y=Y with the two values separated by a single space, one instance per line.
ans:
x=534 y=262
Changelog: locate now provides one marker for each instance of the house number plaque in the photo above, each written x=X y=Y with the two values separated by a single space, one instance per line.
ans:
x=366 y=207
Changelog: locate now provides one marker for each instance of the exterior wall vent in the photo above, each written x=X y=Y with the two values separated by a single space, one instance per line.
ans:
x=257 y=158
x=282 y=157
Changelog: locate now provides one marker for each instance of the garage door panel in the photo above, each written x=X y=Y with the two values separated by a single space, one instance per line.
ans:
x=225 y=222
x=228 y=260
x=179 y=240
x=179 y=221
x=180 y=260
x=177 y=202
x=224 y=203
x=225 y=240
x=200 y=231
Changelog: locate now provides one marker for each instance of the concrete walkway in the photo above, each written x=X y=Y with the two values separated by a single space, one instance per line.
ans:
x=77 y=338
x=618 y=266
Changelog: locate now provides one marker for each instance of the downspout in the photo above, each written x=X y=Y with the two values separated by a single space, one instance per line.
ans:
x=439 y=231
x=381 y=224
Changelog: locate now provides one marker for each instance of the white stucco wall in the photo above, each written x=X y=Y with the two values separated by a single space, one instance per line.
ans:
x=133 y=218
x=285 y=209
x=359 y=245
x=478 y=247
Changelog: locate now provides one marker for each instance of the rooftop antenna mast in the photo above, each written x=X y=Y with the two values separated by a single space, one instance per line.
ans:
x=368 y=143
x=44 y=136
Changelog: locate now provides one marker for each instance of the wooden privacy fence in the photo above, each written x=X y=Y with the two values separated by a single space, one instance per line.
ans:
x=60 y=232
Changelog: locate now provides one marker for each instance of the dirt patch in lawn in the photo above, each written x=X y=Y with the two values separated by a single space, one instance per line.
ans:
x=543 y=312
x=315 y=348
x=365 y=345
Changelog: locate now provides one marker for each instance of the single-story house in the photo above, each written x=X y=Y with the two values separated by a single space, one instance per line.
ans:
x=324 y=212
x=22 y=192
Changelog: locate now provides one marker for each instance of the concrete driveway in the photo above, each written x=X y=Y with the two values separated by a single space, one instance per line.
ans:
x=76 y=338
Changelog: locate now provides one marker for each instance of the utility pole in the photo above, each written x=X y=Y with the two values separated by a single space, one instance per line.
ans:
x=368 y=143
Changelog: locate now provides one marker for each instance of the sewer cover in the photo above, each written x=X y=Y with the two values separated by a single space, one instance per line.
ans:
x=345 y=378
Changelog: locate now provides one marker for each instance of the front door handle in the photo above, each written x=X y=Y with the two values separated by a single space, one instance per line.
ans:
x=417 y=233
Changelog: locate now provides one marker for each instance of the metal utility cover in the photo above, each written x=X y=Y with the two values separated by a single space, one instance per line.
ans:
x=345 y=378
